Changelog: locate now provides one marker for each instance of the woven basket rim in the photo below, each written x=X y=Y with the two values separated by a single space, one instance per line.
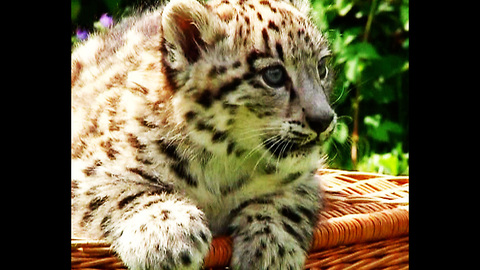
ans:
x=361 y=208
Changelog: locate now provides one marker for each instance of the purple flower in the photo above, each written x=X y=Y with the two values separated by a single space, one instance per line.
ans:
x=106 y=20
x=82 y=34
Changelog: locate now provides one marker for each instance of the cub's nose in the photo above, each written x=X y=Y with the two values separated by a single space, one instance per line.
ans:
x=320 y=122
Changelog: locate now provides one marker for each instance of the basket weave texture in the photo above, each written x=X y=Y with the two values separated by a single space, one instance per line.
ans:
x=364 y=226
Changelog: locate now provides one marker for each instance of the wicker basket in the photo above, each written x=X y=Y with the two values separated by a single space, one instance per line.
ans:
x=364 y=226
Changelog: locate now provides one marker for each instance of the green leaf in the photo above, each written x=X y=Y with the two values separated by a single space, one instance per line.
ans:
x=98 y=25
x=380 y=130
x=323 y=13
x=392 y=127
x=365 y=50
x=406 y=43
x=356 y=58
x=361 y=50
x=372 y=121
x=353 y=68
x=384 y=6
x=404 y=15
x=350 y=34
x=337 y=44
x=341 y=132
x=343 y=6
x=394 y=163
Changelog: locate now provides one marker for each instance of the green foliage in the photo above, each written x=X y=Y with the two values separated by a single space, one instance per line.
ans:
x=394 y=163
x=370 y=42
x=380 y=130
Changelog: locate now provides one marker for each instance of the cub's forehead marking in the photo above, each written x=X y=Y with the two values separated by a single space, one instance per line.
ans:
x=277 y=28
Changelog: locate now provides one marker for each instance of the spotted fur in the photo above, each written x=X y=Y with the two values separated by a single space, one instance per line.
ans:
x=197 y=119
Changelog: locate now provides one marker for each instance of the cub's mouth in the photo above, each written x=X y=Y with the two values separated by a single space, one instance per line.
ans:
x=282 y=147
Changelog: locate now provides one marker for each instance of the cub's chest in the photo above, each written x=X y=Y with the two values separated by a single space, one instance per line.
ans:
x=225 y=187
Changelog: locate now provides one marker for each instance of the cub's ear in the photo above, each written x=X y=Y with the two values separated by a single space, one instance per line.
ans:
x=190 y=27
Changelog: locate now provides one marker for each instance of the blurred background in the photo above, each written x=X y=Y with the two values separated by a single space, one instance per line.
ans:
x=370 y=42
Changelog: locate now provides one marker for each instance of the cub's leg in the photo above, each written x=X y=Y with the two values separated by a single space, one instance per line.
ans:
x=148 y=227
x=274 y=233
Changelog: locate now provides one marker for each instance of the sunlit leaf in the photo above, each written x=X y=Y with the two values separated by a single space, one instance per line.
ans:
x=343 y=6
x=404 y=15
x=372 y=121
x=341 y=132
x=351 y=69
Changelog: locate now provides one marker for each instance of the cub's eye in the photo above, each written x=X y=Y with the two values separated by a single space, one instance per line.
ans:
x=322 y=67
x=274 y=76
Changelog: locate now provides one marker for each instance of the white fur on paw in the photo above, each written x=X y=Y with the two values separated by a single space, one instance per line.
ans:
x=163 y=239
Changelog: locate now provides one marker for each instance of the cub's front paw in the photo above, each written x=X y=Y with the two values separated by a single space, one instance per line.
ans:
x=266 y=251
x=163 y=240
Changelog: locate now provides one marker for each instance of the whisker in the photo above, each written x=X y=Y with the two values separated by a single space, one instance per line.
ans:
x=282 y=151
x=260 y=159
x=339 y=97
x=265 y=129
x=243 y=138
x=256 y=148
x=347 y=117
x=275 y=144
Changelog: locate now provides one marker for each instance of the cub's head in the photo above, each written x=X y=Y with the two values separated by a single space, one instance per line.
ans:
x=251 y=77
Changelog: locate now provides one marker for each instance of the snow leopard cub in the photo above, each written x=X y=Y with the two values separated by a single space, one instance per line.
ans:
x=196 y=119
